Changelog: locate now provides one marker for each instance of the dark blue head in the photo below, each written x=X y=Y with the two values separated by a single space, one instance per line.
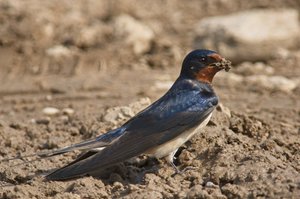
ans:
x=202 y=65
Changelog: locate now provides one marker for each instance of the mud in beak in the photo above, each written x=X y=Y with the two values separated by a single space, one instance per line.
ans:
x=221 y=63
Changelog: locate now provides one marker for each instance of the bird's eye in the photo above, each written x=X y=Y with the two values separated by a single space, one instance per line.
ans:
x=203 y=59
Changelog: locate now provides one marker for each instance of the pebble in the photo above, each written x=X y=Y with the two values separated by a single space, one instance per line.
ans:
x=211 y=185
x=58 y=51
x=45 y=120
x=50 y=111
x=68 y=111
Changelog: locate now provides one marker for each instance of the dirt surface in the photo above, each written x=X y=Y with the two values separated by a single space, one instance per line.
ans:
x=67 y=55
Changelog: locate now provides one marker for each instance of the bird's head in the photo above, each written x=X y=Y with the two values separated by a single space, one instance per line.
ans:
x=202 y=65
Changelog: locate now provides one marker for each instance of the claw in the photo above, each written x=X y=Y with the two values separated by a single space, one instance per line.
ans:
x=178 y=171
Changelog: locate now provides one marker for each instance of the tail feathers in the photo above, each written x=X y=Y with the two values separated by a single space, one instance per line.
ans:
x=82 y=146
x=95 y=144
x=72 y=170
x=87 y=145
x=91 y=162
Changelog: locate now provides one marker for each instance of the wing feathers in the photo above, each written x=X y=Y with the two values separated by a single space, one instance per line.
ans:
x=179 y=110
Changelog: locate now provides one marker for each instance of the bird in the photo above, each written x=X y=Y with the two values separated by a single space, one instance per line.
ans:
x=158 y=130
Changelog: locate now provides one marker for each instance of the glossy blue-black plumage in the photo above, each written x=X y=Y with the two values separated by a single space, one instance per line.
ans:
x=186 y=105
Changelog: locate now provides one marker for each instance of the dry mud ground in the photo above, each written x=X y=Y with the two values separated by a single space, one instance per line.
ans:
x=250 y=149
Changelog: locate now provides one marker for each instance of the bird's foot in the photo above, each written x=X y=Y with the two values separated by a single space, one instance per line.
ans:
x=178 y=171
x=188 y=168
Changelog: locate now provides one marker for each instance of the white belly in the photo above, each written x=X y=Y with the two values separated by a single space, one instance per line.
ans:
x=172 y=145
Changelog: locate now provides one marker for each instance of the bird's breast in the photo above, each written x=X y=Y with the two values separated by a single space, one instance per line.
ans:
x=172 y=145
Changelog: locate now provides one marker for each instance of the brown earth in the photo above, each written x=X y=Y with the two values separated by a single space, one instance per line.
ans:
x=250 y=149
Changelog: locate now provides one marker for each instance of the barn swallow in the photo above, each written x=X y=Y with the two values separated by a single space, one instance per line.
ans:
x=160 y=129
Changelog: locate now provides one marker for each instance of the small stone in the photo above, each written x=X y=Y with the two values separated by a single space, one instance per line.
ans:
x=211 y=185
x=68 y=111
x=58 y=51
x=45 y=120
x=50 y=111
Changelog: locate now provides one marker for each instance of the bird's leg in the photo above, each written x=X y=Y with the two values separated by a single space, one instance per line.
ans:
x=170 y=159
x=177 y=171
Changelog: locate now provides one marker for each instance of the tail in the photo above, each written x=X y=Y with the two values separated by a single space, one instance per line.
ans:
x=95 y=144
x=95 y=163
x=71 y=171
x=90 y=163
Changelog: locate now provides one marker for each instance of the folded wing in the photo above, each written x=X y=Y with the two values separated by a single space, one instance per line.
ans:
x=175 y=112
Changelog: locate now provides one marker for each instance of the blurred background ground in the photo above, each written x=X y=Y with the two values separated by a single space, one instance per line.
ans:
x=64 y=65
